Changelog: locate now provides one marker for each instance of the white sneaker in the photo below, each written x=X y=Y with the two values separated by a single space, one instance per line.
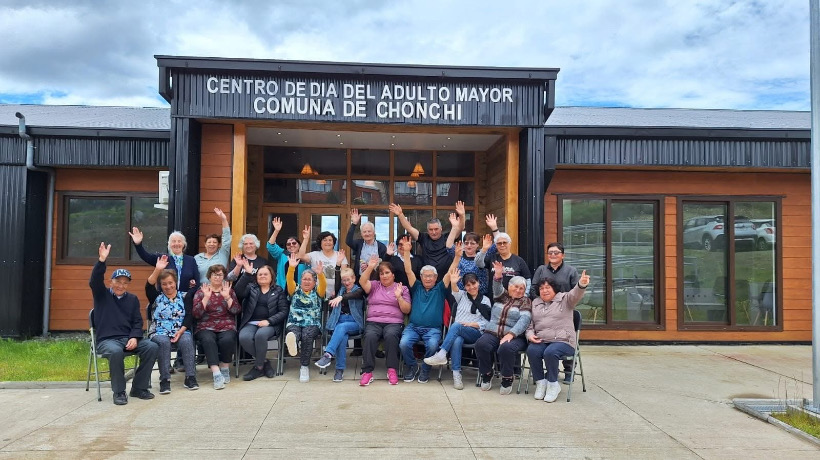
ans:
x=540 y=389
x=457 y=383
x=553 y=389
x=219 y=381
x=290 y=341
x=304 y=374
x=438 y=359
x=226 y=374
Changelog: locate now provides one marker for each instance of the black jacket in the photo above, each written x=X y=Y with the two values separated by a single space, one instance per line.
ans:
x=278 y=306
x=356 y=251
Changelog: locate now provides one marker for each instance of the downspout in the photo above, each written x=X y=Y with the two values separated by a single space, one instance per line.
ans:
x=49 y=219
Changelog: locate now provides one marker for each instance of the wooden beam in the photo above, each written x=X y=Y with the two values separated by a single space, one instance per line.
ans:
x=511 y=202
x=239 y=184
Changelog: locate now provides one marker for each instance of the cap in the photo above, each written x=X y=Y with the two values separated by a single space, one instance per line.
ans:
x=121 y=272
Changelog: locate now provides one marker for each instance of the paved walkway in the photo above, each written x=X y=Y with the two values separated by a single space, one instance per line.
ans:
x=648 y=402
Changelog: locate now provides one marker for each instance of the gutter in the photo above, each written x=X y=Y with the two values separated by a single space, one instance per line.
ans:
x=49 y=219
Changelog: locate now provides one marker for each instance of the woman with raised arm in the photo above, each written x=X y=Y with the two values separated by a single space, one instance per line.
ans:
x=471 y=241
x=510 y=316
x=217 y=248
x=215 y=308
x=326 y=257
x=279 y=256
x=178 y=261
x=387 y=303
x=305 y=316
x=551 y=334
x=171 y=323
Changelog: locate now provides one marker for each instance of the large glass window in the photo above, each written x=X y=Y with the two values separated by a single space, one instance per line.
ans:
x=729 y=263
x=615 y=241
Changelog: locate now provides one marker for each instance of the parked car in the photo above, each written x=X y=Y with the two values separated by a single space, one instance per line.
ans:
x=765 y=233
x=708 y=232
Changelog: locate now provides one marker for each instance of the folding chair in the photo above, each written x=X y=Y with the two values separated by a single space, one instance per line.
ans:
x=574 y=358
x=320 y=338
x=326 y=334
x=93 y=356
x=240 y=357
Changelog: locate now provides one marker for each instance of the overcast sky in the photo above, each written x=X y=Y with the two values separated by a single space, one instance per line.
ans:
x=741 y=54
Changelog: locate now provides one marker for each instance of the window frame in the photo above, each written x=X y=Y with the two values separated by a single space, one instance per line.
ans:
x=659 y=248
x=62 y=230
x=730 y=201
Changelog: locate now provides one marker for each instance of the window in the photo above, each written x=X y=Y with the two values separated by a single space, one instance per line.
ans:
x=729 y=263
x=88 y=219
x=616 y=242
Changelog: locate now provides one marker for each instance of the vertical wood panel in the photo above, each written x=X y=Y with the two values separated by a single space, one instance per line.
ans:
x=239 y=186
x=511 y=202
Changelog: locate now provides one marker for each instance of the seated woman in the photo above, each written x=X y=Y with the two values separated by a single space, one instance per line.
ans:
x=305 y=317
x=183 y=264
x=552 y=333
x=171 y=323
x=215 y=308
x=471 y=312
x=387 y=303
x=217 y=248
x=346 y=319
x=264 y=310
x=510 y=316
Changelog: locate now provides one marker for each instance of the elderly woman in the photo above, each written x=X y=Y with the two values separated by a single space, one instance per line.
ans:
x=511 y=264
x=472 y=242
x=387 y=303
x=510 y=316
x=326 y=257
x=183 y=264
x=552 y=333
x=171 y=323
x=305 y=317
x=264 y=310
x=361 y=249
x=215 y=307
x=279 y=256
x=346 y=319
x=217 y=248
x=248 y=244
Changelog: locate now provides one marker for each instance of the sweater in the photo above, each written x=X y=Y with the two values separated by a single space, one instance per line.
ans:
x=566 y=276
x=113 y=318
x=216 y=316
x=355 y=246
x=552 y=321
x=508 y=315
x=222 y=256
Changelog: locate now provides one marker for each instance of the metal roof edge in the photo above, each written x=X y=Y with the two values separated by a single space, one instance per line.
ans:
x=677 y=132
x=66 y=131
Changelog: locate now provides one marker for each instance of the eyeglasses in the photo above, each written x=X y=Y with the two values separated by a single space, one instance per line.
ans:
x=292 y=243
x=554 y=253
x=502 y=243
x=217 y=275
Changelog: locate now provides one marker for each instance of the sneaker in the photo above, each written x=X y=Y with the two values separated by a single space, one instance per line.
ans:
x=540 y=389
x=424 y=375
x=392 y=376
x=226 y=374
x=164 y=387
x=253 y=374
x=506 y=385
x=339 y=376
x=268 y=370
x=290 y=342
x=304 y=374
x=438 y=359
x=191 y=383
x=486 y=382
x=553 y=390
x=141 y=394
x=219 y=381
x=324 y=361
x=120 y=398
x=367 y=377
x=410 y=372
x=458 y=384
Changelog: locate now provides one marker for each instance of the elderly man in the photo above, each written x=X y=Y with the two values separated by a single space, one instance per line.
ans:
x=362 y=248
x=118 y=326
x=426 y=317
x=249 y=243
x=433 y=244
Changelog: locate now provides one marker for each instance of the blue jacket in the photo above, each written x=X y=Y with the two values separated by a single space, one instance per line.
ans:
x=356 y=310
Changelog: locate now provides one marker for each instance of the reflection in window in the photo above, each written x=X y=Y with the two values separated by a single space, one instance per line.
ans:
x=447 y=193
x=633 y=262
x=152 y=221
x=370 y=192
x=585 y=249
x=308 y=191
x=297 y=160
x=413 y=193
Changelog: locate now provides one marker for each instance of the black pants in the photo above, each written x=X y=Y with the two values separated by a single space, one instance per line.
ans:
x=373 y=333
x=219 y=346
x=486 y=347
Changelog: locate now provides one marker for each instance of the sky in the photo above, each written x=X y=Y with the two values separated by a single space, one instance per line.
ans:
x=711 y=54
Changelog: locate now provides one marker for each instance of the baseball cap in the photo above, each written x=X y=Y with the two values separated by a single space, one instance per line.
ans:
x=121 y=272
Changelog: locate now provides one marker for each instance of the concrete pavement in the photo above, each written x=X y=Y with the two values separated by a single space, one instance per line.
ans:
x=641 y=402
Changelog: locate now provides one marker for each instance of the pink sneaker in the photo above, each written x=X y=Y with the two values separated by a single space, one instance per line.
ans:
x=392 y=376
x=367 y=377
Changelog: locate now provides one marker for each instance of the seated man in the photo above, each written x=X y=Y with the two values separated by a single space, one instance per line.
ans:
x=118 y=324
x=426 y=317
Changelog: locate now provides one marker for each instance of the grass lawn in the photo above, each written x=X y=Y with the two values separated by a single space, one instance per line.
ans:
x=800 y=420
x=56 y=359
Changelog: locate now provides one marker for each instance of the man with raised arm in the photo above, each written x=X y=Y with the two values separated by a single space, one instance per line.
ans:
x=433 y=244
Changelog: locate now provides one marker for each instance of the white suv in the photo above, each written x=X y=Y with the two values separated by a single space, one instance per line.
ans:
x=707 y=232
x=765 y=233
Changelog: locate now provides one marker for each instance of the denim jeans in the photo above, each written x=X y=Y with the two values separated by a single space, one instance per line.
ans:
x=114 y=351
x=551 y=353
x=431 y=336
x=456 y=337
x=218 y=346
x=185 y=348
x=254 y=341
x=486 y=347
x=337 y=346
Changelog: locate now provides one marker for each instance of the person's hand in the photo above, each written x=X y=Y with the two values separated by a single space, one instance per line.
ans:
x=104 y=251
x=277 y=224
x=460 y=208
x=458 y=248
x=306 y=233
x=293 y=260
x=391 y=248
x=136 y=235
x=486 y=242
x=206 y=291
x=220 y=214
x=506 y=338
x=584 y=281
x=246 y=265
x=355 y=217
x=373 y=261
x=455 y=274
x=226 y=290
x=176 y=336
x=498 y=270
x=131 y=344
x=340 y=257
x=263 y=323
x=320 y=267
x=535 y=339
x=240 y=261
x=191 y=284
x=162 y=262
x=395 y=209
x=398 y=290
x=335 y=302
x=405 y=251
x=453 y=219
x=492 y=222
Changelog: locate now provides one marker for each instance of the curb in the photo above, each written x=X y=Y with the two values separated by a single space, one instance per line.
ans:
x=48 y=385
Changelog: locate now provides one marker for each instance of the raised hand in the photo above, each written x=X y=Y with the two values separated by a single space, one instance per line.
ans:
x=277 y=223
x=240 y=261
x=455 y=274
x=584 y=281
x=320 y=267
x=306 y=233
x=397 y=291
x=340 y=257
x=220 y=214
x=498 y=270
x=491 y=221
x=453 y=219
x=460 y=208
x=395 y=209
x=136 y=235
x=162 y=262
x=226 y=290
x=104 y=251
x=293 y=260
x=486 y=242
x=373 y=261
x=207 y=291
x=391 y=248
x=355 y=217
x=405 y=251
x=459 y=248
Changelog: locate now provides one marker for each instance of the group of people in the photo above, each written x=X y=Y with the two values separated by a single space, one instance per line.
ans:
x=389 y=297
